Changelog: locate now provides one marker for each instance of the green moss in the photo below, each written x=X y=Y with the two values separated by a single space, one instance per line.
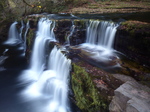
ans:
x=135 y=70
x=30 y=38
x=12 y=4
x=86 y=95
x=133 y=26
x=76 y=2
x=80 y=23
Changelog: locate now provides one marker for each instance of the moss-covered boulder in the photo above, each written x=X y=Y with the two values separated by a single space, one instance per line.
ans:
x=133 y=39
x=86 y=94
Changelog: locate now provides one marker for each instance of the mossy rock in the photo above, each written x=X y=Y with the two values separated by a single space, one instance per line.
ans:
x=86 y=94
x=133 y=39
x=134 y=27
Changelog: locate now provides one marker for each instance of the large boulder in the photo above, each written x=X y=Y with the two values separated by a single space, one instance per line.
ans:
x=132 y=39
x=131 y=97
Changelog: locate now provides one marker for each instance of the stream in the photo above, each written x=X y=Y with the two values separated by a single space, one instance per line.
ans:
x=43 y=83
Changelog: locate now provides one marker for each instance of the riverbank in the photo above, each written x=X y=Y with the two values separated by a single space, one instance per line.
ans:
x=114 y=6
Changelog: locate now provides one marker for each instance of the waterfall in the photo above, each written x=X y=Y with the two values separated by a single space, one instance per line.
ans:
x=58 y=85
x=99 y=40
x=22 y=26
x=107 y=34
x=47 y=78
x=101 y=33
x=70 y=34
x=92 y=32
x=43 y=36
x=25 y=35
x=13 y=35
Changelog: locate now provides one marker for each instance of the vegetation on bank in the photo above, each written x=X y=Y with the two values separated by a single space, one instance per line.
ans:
x=87 y=96
x=23 y=7
x=136 y=26
x=12 y=9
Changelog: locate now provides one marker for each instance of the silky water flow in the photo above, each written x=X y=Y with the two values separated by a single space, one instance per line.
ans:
x=100 y=39
x=13 y=35
x=46 y=78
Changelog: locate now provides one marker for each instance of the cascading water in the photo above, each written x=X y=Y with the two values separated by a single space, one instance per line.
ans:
x=13 y=35
x=101 y=33
x=25 y=35
x=43 y=36
x=71 y=33
x=107 y=38
x=22 y=47
x=22 y=26
x=99 y=40
x=50 y=84
x=92 y=32
x=58 y=87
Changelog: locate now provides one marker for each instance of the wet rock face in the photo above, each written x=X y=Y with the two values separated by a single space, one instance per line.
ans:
x=63 y=30
x=131 y=97
x=4 y=30
x=133 y=39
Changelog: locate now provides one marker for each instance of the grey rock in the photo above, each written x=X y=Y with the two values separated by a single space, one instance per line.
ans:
x=131 y=97
x=123 y=78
